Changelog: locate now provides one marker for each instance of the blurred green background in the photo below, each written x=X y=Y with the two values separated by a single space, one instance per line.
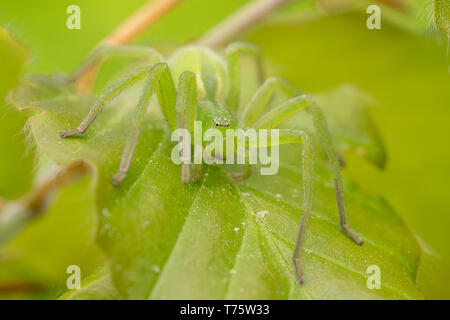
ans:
x=404 y=66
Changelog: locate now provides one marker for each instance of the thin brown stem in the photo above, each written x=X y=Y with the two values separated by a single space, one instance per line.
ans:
x=146 y=16
x=37 y=200
x=239 y=21
x=15 y=214
x=333 y=5
x=397 y=4
x=20 y=287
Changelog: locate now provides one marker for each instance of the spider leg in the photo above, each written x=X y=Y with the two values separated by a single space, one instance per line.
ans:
x=276 y=116
x=197 y=172
x=103 y=52
x=108 y=95
x=246 y=172
x=158 y=79
x=186 y=109
x=233 y=52
x=261 y=98
x=256 y=105
x=288 y=136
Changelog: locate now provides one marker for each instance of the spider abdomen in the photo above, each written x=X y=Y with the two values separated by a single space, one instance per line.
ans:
x=209 y=68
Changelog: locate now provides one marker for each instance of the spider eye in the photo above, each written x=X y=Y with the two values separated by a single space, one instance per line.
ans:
x=221 y=123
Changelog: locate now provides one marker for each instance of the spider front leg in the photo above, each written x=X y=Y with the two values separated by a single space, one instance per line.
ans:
x=186 y=109
x=158 y=79
x=276 y=116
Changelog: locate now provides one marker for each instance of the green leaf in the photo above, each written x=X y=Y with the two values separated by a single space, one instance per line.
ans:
x=336 y=50
x=442 y=15
x=217 y=239
x=16 y=164
x=98 y=286
x=33 y=263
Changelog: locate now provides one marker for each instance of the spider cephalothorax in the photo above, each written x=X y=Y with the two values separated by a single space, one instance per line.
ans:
x=198 y=85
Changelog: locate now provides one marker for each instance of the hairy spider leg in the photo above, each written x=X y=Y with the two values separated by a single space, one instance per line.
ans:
x=254 y=108
x=252 y=111
x=281 y=113
x=262 y=97
x=246 y=172
x=276 y=116
x=186 y=109
x=289 y=136
x=159 y=79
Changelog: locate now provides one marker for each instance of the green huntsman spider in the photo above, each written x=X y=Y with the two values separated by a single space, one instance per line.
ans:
x=208 y=90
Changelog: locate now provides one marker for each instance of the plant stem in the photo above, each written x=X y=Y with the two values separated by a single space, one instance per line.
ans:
x=37 y=200
x=15 y=214
x=20 y=287
x=397 y=4
x=147 y=15
x=239 y=21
